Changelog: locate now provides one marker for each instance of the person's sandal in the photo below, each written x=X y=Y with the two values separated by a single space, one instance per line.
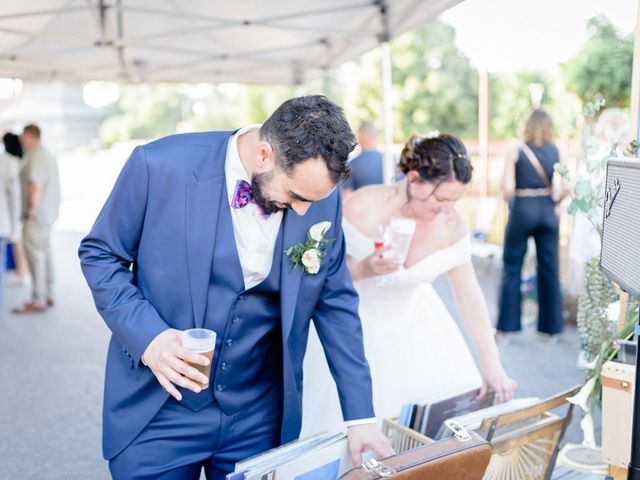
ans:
x=30 y=307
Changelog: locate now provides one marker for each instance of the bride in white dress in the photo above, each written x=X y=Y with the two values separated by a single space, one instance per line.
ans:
x=412 y=343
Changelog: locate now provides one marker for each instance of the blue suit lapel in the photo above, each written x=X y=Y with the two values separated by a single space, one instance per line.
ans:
x=294 y=232
x=203 y=202
x=203 y=206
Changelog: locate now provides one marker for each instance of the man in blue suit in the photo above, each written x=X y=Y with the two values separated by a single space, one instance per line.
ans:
x=195 y=234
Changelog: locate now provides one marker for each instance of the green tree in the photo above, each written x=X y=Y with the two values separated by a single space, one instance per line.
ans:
x=510 y=101
x=144 y=111
x=603 y=65
x=259 y=101
x=364 y=101
x=434 y=83
x=227 y=109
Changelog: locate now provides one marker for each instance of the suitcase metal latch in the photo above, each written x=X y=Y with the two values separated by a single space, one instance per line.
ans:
x=458 y=430
x=371 y=465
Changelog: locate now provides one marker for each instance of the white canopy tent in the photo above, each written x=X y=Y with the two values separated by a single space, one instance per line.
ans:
x=252 y=41
x=247 y=41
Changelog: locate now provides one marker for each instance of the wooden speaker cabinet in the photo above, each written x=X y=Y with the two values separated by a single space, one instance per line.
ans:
x=617 y=412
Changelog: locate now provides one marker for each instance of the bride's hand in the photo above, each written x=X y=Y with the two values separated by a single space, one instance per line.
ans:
x=496 y=378
x=375 y=264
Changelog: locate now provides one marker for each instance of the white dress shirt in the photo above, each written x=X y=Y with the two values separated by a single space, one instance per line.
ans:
x=255 y=236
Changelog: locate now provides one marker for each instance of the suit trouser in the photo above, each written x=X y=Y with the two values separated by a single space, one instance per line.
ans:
x=531 y=217
x=178 y=442
x=37 y=247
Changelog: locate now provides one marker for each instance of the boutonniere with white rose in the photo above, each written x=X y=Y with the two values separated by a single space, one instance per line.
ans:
x=310 y=253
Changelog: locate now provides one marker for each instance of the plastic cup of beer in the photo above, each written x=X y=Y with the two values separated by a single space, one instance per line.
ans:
x=202 y=341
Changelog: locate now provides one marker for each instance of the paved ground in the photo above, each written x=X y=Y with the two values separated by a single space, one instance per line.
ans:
x=52 y=373
x=51 y=365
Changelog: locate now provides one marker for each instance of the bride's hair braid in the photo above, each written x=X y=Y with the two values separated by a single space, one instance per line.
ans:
x=436 y=158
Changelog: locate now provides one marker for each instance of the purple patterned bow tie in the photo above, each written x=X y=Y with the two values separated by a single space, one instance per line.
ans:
x=243 y=196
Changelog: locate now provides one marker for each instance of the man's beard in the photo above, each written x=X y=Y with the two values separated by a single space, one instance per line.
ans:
x=258 y=183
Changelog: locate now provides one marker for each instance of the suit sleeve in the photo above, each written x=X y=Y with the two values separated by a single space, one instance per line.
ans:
x=108 y=255
x=340 y=332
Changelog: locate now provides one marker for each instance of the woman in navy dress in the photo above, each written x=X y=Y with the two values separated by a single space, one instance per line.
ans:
x=533 y=212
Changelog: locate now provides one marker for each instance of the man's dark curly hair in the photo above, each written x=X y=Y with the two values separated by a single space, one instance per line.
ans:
x=310 y=127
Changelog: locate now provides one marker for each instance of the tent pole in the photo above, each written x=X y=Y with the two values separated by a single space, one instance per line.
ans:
x=483 y=131
x=384 y=38
x=386 y=113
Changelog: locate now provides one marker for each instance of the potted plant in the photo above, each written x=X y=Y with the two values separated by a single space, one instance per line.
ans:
x=598 y=306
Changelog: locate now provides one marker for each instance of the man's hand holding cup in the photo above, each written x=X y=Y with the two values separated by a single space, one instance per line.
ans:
x=182 y=359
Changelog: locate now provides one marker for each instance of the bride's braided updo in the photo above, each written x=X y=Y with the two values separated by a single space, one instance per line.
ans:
x=436 y=158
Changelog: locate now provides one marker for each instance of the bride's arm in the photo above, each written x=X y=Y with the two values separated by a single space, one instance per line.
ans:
x=475 y=317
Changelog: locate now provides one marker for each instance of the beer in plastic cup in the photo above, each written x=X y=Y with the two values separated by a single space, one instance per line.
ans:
x=202 y=341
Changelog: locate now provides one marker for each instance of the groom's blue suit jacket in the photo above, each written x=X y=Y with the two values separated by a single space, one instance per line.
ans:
x=148 y=262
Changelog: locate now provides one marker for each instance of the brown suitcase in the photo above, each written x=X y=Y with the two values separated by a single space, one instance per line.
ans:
x=462 y=457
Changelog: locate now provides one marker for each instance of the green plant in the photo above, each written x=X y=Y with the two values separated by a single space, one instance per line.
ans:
x=599 y=334
x=593 y=323
x=587 y=184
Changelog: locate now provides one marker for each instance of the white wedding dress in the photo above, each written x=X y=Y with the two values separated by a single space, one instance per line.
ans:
x=413 y=345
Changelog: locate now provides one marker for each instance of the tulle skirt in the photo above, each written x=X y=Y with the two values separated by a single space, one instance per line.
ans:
x=414 y=348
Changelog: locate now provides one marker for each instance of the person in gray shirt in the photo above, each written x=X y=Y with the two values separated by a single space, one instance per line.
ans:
x=9 y=202
x=41 y=200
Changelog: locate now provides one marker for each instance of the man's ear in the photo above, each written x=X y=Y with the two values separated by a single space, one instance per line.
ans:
x=265 y=157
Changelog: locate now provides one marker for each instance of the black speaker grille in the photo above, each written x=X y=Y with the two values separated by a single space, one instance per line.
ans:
x=620 y=254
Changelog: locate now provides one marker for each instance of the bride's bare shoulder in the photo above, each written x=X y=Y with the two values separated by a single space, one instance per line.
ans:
x=366 y=205
x=456 y=226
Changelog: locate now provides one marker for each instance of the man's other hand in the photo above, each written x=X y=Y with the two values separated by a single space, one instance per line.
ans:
x=367 y=437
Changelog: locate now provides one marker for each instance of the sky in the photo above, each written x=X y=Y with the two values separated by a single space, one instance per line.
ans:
x=512 y=35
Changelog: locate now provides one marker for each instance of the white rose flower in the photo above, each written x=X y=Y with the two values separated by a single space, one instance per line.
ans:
x=311 y=260
x=318 y=231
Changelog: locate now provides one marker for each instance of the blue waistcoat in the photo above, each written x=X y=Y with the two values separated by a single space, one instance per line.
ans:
x=247 y=361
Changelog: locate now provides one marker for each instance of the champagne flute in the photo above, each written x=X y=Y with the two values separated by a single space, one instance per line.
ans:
x=378 y=240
